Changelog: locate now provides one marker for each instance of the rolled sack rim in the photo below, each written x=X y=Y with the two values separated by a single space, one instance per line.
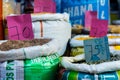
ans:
x=67 y=63
x=40 y=50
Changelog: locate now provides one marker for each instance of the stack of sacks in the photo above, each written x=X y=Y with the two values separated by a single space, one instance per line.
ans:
x=77 y=45
x=75 y=68
x=19 y=61
x=29 y=59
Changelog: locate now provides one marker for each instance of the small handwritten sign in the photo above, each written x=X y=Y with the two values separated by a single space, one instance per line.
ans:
x=89 y=16
x=103 y=9
x=20 y=27
x=96 y=49
x=44 y=6
x=99 y=28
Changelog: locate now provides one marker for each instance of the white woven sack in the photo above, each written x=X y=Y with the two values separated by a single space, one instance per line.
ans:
x=30 y=52
x=67 y=62
x=77 y=43
x=52 y=26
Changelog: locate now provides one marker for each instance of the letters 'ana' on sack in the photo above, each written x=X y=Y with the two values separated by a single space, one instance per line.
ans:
x=77 y=8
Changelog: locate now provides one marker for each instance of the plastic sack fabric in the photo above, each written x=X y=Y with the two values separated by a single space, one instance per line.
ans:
x=42 y=68
x=77 y=8
x=77 y=40
x=53 y=26
x=74 y=75
x=30 y=52
x=68 y=63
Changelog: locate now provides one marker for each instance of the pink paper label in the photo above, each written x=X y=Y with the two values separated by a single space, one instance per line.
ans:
x=44 y=6
x=20 y=27
x=89 y=15
x=99 y=28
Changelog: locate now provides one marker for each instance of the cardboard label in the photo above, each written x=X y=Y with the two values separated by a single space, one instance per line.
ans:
x=20 y=27
x=89 y=16
x=99 y=28
x=103 y=9
x=96 y=49
x=44 y=6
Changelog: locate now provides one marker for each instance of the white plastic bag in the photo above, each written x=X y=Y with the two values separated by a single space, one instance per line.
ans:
x=30 y=52
x=52 y=26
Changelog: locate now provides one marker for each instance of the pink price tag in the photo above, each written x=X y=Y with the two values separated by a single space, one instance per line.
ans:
x=89 y=15
x=99 y=28
x=44 y=6
x=20 y=27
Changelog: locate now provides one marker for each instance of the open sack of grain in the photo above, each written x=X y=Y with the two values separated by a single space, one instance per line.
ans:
x=78 y=63
x=77 y=43
x=27 y=49
x=75 y=68
x=41 y=68
x=46 y=25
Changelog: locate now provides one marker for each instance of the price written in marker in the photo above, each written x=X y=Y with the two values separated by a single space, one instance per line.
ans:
x=99 y=28
x=44 y=6
x=20 y=27
x=96 y=49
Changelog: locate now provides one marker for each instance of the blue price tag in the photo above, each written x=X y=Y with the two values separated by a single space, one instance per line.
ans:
x=103 y=9
x=96 y=49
